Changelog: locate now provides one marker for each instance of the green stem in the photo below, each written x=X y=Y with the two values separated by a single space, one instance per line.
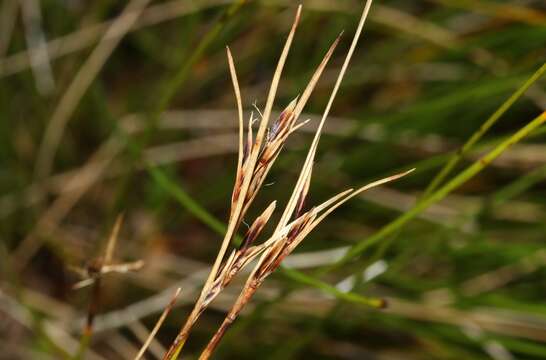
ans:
x=186 y=200
x=457 y=157
x=441 y=193
x=302 y=278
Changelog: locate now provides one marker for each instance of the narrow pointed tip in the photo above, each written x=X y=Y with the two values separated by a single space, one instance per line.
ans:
x=177 y=292
x=400 y=175
x=298 y=13
x=272 y=206
x=397 y=176
x=336 y=42
x=109 y=252
x=293 y=103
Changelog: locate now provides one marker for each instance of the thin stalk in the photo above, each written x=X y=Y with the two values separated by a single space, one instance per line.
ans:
x=162 y=318
x=441 y=193
x=461 y=152
x=186 y=200
x=92 y=310
x=349 y=296
x=246 y=295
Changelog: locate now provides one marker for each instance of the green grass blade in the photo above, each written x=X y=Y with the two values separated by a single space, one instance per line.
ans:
x=186 y=200
x=349 y=296
x=457 y=156
x=454 y=160
x=457 y=181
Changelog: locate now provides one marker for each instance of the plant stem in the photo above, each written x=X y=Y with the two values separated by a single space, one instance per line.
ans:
x=461 y=152
x=244 y=297
x=441 y=193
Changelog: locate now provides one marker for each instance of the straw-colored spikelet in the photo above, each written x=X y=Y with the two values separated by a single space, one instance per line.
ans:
x=256 y=157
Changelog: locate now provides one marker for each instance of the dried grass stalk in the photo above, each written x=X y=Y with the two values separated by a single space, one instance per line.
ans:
x=255 y=159
x=157 y=325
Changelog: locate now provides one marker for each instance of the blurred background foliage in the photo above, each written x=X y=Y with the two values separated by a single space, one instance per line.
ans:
x=94 y=124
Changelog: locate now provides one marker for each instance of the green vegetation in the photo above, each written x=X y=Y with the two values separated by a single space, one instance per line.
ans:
x=146 y=126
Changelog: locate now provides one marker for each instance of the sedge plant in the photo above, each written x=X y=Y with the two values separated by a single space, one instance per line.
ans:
x=257 y=154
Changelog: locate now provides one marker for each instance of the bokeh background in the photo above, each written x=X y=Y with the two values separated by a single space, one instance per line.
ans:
x=93 y=92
